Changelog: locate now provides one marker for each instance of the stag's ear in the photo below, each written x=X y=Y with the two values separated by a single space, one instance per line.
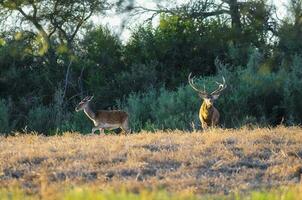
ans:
x=215 y=96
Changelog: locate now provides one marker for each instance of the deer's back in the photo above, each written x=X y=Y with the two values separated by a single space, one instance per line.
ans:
x=111 y=116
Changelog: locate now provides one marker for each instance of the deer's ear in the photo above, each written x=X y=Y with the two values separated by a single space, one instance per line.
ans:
x=215 y=96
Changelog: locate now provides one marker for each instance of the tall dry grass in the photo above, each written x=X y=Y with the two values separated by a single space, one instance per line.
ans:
x=217 y=161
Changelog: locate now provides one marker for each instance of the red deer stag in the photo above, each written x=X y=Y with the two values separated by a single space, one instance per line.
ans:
x=104 y=119
x=208 y=114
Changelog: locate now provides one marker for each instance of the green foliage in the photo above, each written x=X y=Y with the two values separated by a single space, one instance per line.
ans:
x=101 y=65
x=174 y=110
x=293 y=93
x=50 y=119
x=178 y=46
x=76 y=121
x=253 y=96
x=289 y=35
x=163 y=109
x=140 y=77
x=4 y=117
x=40 y=119
x=138 y=106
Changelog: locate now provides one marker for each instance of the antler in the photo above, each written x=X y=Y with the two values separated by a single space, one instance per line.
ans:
x=88 y=98
x=221 y=87
x=191 y=82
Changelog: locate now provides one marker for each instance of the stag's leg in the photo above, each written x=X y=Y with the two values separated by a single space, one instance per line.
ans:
x=214 y=124
x=215 y=119
x=204 y=125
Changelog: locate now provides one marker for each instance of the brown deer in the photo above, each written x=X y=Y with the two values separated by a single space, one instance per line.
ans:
x=104 y=119
x=208 y=114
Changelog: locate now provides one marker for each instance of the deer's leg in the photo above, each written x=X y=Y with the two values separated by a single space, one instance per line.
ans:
x=99 y=127
x=125 y=126
x=101 y=130
x=93 y=130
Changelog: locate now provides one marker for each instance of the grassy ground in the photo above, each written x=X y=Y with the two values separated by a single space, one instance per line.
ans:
x=216 y=162
x=282 y=193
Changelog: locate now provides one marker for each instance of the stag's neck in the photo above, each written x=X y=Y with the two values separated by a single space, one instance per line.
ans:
x=206 y=110
x=90 y=114
x=206 y=106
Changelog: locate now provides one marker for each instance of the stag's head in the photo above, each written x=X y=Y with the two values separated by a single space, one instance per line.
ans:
x=84 y=103
x=208 y=98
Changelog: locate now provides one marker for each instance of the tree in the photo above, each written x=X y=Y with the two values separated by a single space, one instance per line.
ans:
x=56 y=22
x=289 y=34
x=177 y=47
x=250 y=21
x=102 y=60
x=55 y=25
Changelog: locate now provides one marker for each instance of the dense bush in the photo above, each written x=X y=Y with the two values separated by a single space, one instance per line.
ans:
x=292 y=103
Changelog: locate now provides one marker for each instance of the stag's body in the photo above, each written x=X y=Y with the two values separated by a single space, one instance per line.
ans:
x=208 y=114
x=104 y=119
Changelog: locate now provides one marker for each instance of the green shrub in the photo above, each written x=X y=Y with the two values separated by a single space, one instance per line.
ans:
x=139 y=108
x=293 y=93
x=76 y=121
x=40 y=119
x=175 y=110
x=48 y=119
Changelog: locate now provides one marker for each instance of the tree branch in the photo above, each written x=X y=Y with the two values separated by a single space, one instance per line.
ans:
x=84 y=19
x=194 y=14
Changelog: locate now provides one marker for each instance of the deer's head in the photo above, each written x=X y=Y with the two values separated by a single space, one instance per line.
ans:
x=208 y=98
x=84 y=103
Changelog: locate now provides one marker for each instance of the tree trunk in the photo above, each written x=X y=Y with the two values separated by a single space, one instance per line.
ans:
x=235 y=16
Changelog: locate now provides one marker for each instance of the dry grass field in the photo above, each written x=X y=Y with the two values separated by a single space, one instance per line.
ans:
x=218 y=162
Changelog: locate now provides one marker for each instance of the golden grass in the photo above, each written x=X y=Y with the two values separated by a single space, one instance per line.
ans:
x=217 y=161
